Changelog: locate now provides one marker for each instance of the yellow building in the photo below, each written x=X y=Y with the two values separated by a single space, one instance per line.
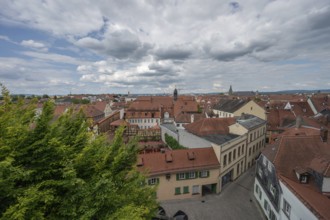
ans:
x=181 y=174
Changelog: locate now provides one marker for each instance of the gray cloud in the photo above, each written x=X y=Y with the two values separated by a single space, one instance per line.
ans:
x=119 y=44
x=200 y=46
x=173 y=53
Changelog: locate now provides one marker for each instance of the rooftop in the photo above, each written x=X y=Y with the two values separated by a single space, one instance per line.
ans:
x=177 y=161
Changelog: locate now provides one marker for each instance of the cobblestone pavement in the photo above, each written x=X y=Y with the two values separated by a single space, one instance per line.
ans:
x=236 y=201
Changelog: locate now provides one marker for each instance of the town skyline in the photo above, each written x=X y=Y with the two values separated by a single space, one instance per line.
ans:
x=153 y=47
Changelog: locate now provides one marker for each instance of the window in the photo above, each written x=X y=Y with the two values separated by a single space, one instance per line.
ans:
x=153 y=181
x=234 y=155
x=257 y=189
x=185 y=189
x=191 y=175
x=225 y=160
x=249 y=151
x=272 y=215
x=260 y=172
x=177 y=190
x=181 y=176
x=229 y=158
x=195 y=189
x=204 y=174
x=270 y=167
x=272 y=190
x=250 y=137
x=286 y=208
x=239 y=150
x=266 y=206
x=237 y=169
x=243 y=149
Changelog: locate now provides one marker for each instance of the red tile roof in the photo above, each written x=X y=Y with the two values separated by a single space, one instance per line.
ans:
x=156 y=164
x=299 y=147
x=208 y=126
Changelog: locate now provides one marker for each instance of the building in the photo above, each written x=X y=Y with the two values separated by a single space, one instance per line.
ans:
x=237 y=142
x=235 y=107
x=293 y=175
x=181 y=174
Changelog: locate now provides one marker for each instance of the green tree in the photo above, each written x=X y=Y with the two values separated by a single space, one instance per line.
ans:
x=174 y=144
x=56 y=169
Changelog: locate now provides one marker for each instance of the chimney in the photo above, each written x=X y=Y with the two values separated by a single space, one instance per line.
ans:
x=324 y=134
x=298 y=121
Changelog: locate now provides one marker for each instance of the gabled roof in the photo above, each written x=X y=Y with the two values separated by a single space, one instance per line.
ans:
x=299 y=147
x=178 y=161
x=186 y=117
x=229 y=105
x=209 y=126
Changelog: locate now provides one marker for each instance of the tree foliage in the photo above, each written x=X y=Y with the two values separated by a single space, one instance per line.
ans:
x=174 y=144
x=56 y=169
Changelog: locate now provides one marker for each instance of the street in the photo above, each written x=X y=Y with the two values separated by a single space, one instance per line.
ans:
x=236 y=201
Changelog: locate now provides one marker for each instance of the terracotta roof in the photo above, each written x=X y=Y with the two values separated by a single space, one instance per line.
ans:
x=304 y=150
x=100 y=105
x=230 y=105
x=178 y=161
x=185 y=106
x=279 y=118
x=186 y=117
x=209 y=126
x=119 y=122
x=301 y=108
x=320 y=102
x=316 y=202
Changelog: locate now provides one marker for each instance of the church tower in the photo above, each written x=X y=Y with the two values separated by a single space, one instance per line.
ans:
x=230 y=92
x=175 y=94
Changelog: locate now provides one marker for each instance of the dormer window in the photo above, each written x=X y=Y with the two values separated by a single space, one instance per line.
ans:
x=302 y=174
x=304 y=178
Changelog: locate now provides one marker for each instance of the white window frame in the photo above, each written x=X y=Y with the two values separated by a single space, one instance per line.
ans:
x=182 y=176
x=192 y=175
x=195 y=189
x=286 y=208
x=204 y=173
x=152 y=181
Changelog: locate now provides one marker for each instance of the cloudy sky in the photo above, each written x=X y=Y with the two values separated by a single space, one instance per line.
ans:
x=82 y=46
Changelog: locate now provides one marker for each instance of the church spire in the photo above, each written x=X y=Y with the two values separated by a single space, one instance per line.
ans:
x=230 y=92
x=175 y=94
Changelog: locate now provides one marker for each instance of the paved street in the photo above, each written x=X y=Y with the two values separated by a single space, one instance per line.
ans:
x=236 y=201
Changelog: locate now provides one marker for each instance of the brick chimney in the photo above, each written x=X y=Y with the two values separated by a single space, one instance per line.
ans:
x=324 y=134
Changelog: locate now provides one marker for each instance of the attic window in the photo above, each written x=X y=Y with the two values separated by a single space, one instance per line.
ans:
x=304 y=178
x=140 y=162
x=168 y=158
x=191 y=155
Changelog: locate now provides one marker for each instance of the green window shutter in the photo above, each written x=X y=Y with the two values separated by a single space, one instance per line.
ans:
x=186 y=189
x=200 y=174
x=177 y=191
x=187 y=176
x=208 y=173
x=157 y=180
x=196 y=174
x=177 y=176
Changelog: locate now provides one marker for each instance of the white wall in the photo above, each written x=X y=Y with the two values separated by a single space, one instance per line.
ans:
x=189 y=140
x=298 y=210
x=261 y=199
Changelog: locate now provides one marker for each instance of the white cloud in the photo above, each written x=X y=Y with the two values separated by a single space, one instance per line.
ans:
x=252 y=45
x=34 y=44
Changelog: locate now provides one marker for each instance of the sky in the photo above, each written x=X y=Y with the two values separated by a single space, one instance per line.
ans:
x=102 y=46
